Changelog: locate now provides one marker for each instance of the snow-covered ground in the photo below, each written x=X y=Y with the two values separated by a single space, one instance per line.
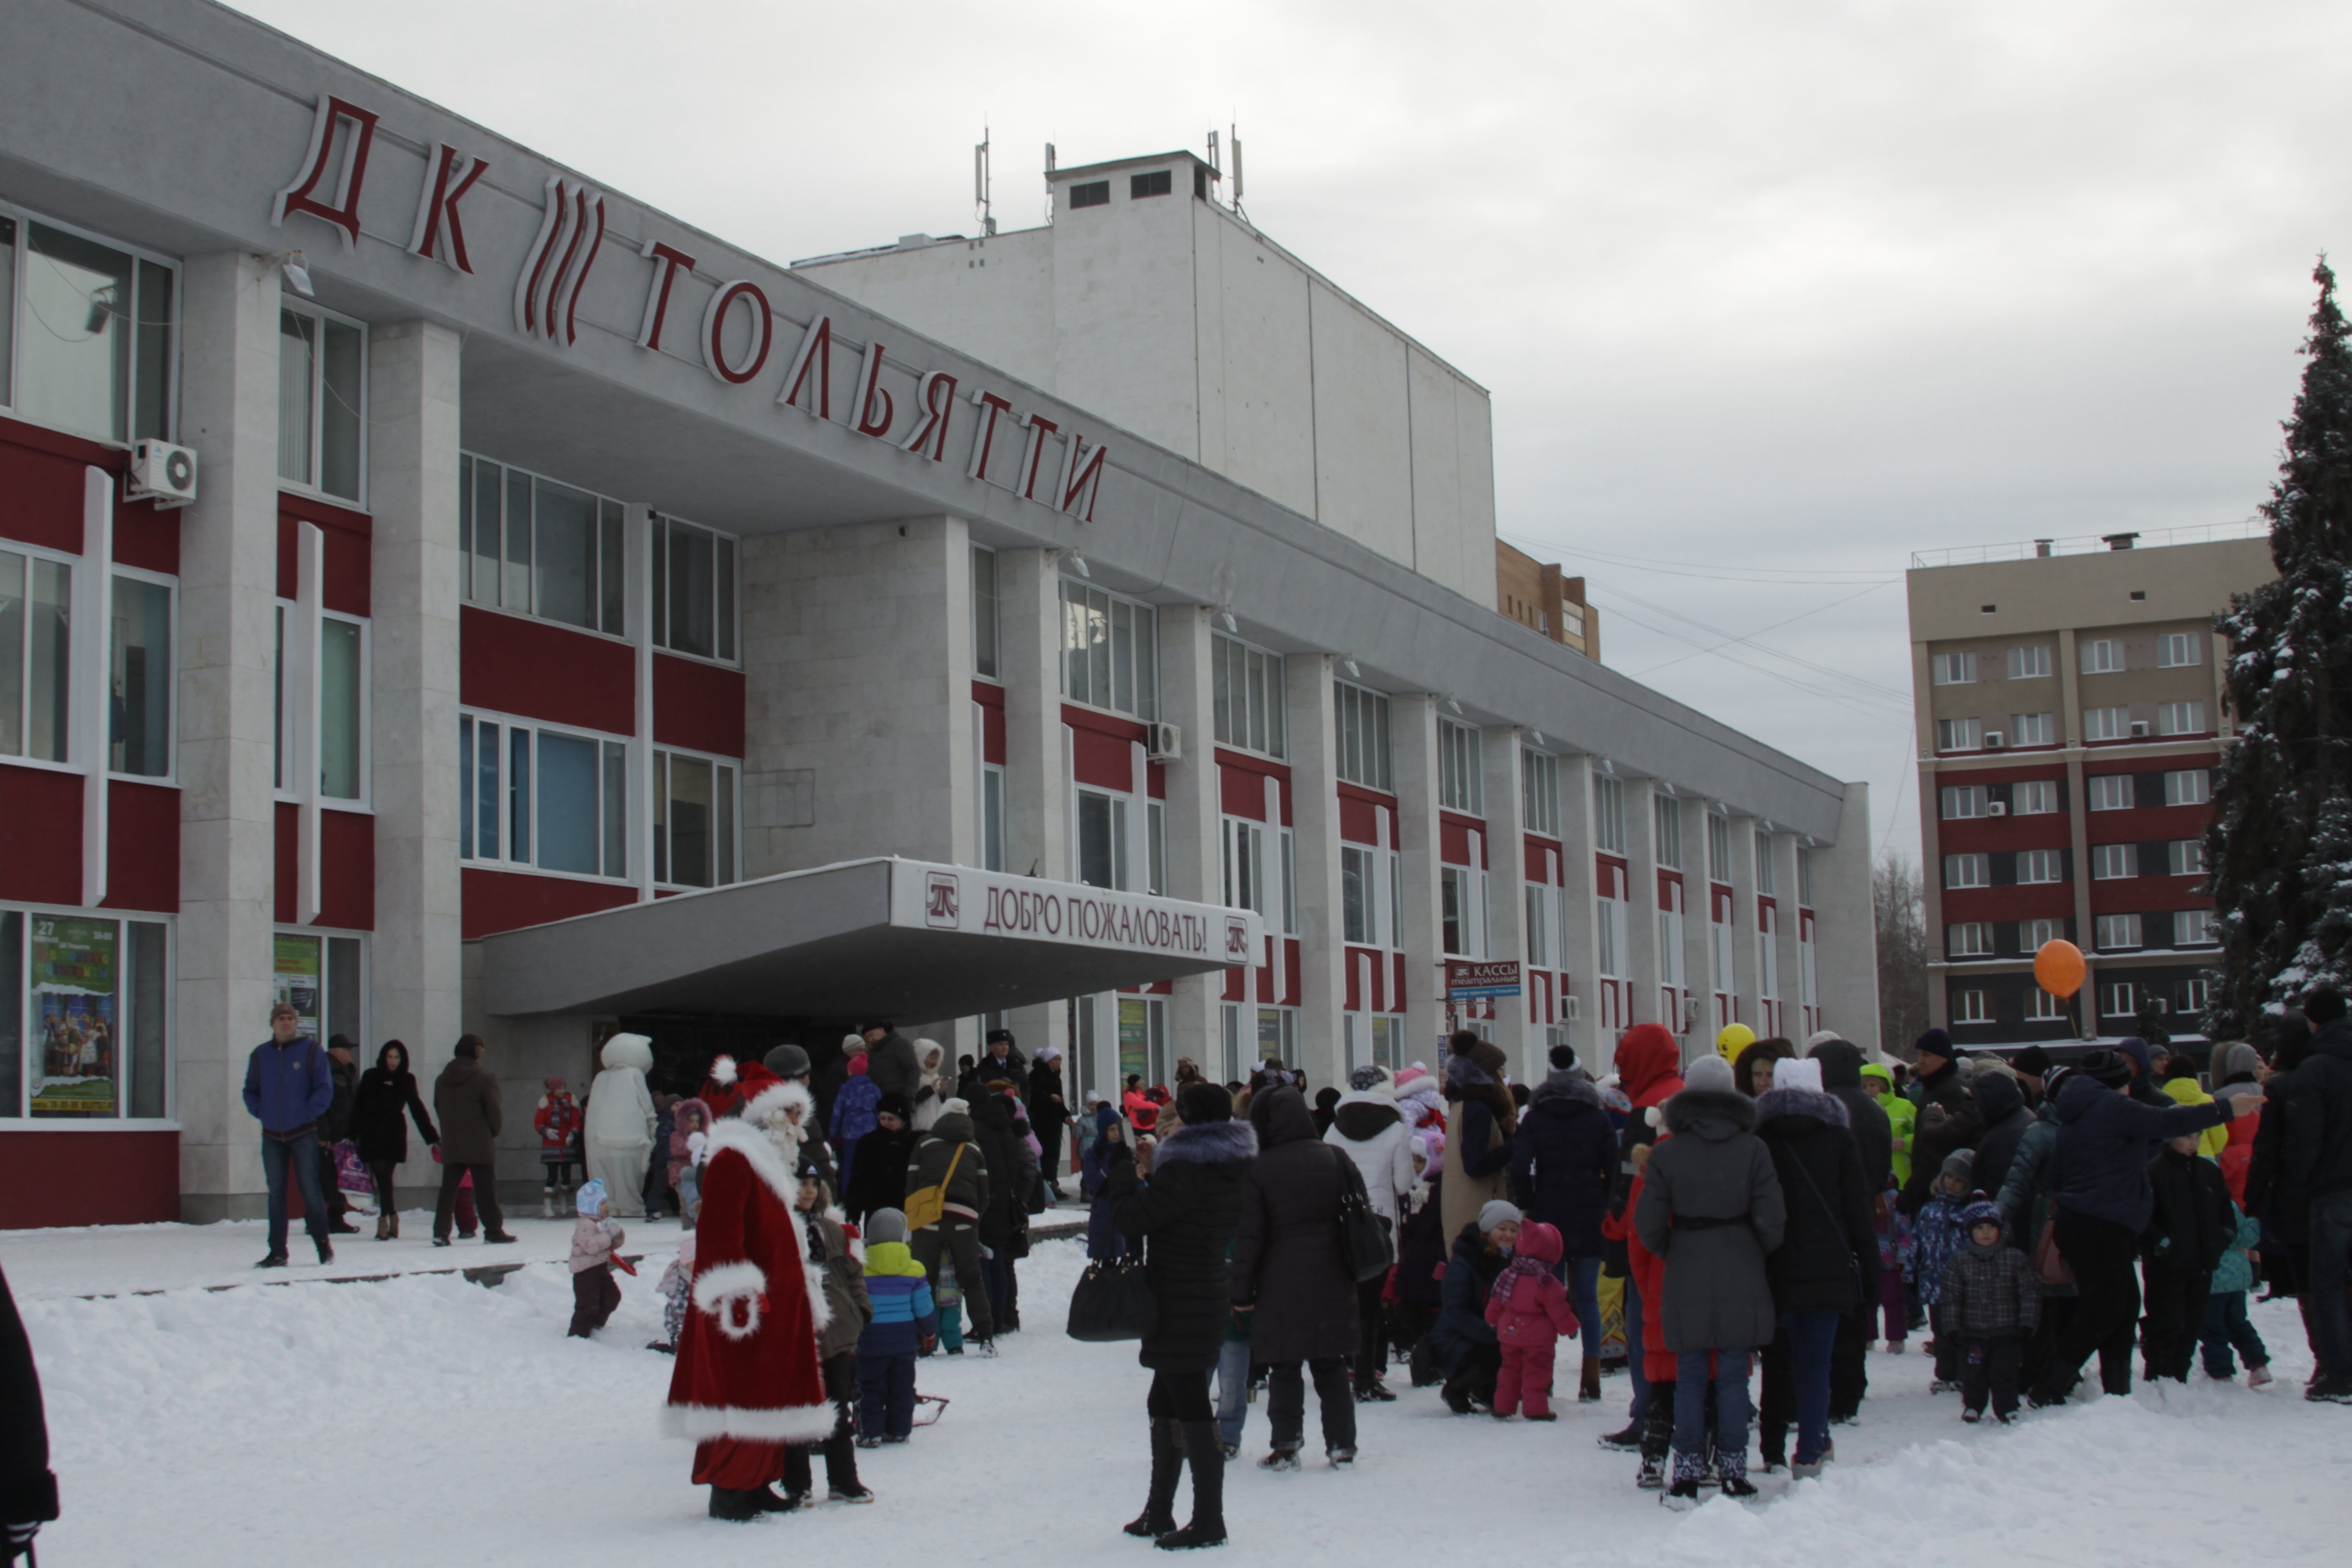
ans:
x=428 y=1420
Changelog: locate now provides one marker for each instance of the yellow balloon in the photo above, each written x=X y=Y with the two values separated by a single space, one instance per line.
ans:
x=1735 y=1038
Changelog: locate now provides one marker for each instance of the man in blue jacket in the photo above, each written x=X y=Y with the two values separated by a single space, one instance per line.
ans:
x=288 y=1084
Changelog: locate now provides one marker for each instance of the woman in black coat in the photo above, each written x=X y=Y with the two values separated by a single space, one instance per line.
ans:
x=1183 y=1203
x=386 y=1094
x=880 y=1181
x=1290 y=1272
x=1563 y=1160
x=1827 y=1262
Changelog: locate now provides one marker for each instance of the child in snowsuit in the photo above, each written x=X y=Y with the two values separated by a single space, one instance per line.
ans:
x=676 y=1287
x=849 y=1311
x=1988 y=1300
x=2192 y=1229
x=558 y=1121
x=594 y=1293
x=2226 y=1323
x=905 y=1324
x=1529 y=1309
x=1893 y=1304
x=1936 y=1236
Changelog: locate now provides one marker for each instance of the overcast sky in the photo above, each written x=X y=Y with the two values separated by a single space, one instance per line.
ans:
x=1767 y=296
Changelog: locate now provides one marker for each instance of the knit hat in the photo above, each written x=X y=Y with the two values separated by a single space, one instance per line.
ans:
x=1049 y=1053
x=1709 y=1073
x=2106 y=1067
x=555 y=1086
x=591 y=1197
x=1371 y=1081
x=852 y=1045
x=1202 y=1103
x=1960 y=1163
x=885 y=1225
x=893 y=1104
x=1818 y=1037
x=955 y=1106
x=1982 y=1212
x=1935 y=1042
x=1804 y=1074
x=787 y=1061
x=1495 y=1212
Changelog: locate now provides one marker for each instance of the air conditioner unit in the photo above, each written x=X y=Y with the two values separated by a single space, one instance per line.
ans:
x=2139 y=729
x=1572 y=1007
x=162 y=473
x=1163 y=743
x=1996 y=808
x=1994 y=740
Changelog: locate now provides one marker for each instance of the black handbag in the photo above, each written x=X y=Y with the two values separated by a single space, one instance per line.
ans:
x=1364 y=1239
x=1113 y=1301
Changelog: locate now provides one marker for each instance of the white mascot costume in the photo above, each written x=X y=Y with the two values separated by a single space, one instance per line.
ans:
x=620 y=1123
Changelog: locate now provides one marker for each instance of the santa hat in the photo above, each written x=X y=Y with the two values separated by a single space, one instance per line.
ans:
x=722 y=1069
x=767 y=1098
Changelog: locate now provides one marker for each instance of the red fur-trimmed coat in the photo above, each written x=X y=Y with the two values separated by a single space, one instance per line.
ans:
x=747 y=1360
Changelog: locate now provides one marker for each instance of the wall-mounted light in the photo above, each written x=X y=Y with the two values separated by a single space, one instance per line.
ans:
x=1535 y=737
x=1347 y=663
x=1226 y=615
x=1077 y=562
x=297 y=270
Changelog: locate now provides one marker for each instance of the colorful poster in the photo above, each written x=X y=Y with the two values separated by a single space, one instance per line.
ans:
x=295 y=979
x=1134 y=1037
x=76 y=1016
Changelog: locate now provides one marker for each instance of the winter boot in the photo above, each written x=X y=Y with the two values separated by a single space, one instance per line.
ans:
x=734 y=1507
x=383 y=1226
x=1588 y=1387
x=326 y=1249
x=1158 y=1515
x=1280 y=1459
x=395 y=1215
x=1208 y=1461
x=1654 y=1474
x=1630 y=1437
x=1690 y=1469
x=547 y=1203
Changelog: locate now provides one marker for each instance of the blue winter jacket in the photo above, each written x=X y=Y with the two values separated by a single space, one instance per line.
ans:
x=2099 y=1167
x=1462 y=1316
x=289 y=1087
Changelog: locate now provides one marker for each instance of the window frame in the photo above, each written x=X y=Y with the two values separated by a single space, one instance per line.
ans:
x=2020 y=664
x=2104 y=856
x=987 y=617
x=1970 y=1007
x=1958 y=870
x=2191 y=709
x=312 y=484
x=726 y=608
x=1359 y=734
x=1608 y=814
x=2099 y=790
x=170 y=777
x=2032 y=729
x=2017 y=804
x=23 y=757
x=2179 y=851
x=2174 y=789
x=2100 y=655
x=1249 y=697
x=661 y=756
x=1969 y=938
x=2189 y=644
x=282 y=610
x=1143 y=645
x=469 y=775
x=470 y=465
x=324 y=935
x=1953 y=668
x=1949 y=796
x=2054 y=860
x=2044 y=1008
x=1666 y=824
x=1461 y=768
x=1540 y=791
x=12 y=370
x=14 y=1099
x=1959 y=735
x=2117 y=933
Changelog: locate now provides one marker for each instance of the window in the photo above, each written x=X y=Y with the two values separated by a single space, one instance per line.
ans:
x=1110 y=651
x=1540 y=794
x=1461 y=773
x=323 y=979
x=322 y=402
x=1969 y=1008
x=1102 y=840
x=1608 y=813
x=2181 y=718
x=540 y=548
x=2027 y=663
x=1804 y=879
x=1962 y=801
x=1666 y=812
x=2185 y=787
x=2118 y=932
x=1960 y=734
x=1093 y=194
x=2175 y=650
x=1718 y=847
x=342 y=707
x=1244 y=864
x=2032 y=935
x=1248 y=694
x=1462 y=893
x=1387 y=1040
x=1363 y=720
x=36 y=655
x=2032 y=729
x=991 y=818
x=694 y=820
x=1767 y=870
x=2116 y=1000
x=2196 y=995
x=1967 y=871
x=2102 y=657
x=2040 y=866
x=92 y=330
x=2109 y=792
x=138 y=677
x=1970 y=939
x=1670 y=950
x=1954 y=669
x=2194 y=928
x=2041 y=1007
x=83 y=1016
x=2185 y=857
x=2033 y=797
x=542 y=797
x=694 y=589
x=983 y=611
x=2111 y=862
x=1359 y=906
x=1539 y=931
x=1158 y=183
x=2106 y=723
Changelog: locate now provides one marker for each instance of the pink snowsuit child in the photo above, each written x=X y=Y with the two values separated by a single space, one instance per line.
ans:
x=1528 y=1309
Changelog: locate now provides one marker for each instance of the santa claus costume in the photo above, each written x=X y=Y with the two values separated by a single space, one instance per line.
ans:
x=749 y=1381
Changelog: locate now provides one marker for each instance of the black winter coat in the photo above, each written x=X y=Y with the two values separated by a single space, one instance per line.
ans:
x=1470 y=1276
x=877 y=1175
x=1185 y=1216
x=1288 y=1262
x=384 y=1098
x=1948 y=1122
x=1828 y=1256
x=999 y=1140
x=1421 y=1250
x=2099 y=1165
x=1047 y=1109
x=1563 y=1160
x=28 y=1493
x=2194 y=1222
x=1873 y=1135
x=2319 y=1114
x=2002 y=1109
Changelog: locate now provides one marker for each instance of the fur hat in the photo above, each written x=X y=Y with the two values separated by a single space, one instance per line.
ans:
x=1204 y=1102
x=1372 y=1080
x=1801 y=1074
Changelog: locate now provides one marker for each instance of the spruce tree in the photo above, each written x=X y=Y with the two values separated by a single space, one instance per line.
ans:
x=2281 y=840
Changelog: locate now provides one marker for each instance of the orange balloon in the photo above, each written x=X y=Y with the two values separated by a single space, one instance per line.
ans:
x=2058 y=967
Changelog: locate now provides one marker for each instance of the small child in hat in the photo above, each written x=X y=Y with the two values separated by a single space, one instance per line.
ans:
x=557 y=1122
x=594 y=1293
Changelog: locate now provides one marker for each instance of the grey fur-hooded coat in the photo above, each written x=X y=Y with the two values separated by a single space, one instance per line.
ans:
x=1712 y=1207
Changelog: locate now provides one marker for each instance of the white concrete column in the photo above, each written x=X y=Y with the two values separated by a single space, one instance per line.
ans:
x=1507 y=903
x=415 y=971
x=1747 y=1000
x=1188 y=701
x=227 y=724
x=1789 y=952
x=1313 y=733
x=1037 y=771
x=1846 y=927
x=1642 y=906
x=1412 y=740
x=1578 y=936
x=1698 y=960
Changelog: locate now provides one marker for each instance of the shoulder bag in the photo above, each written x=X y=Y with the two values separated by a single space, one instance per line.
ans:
x=2050 y=1265
x=927 y=1205
x=1113 y=1301
x=1364 y=1239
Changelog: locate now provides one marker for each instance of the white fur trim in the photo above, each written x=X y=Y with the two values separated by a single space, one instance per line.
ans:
x=955 y=1106
x=717 y=1289
x=722 y=1070
x=770 y=1105
x=785 y=1424
x=820 y=1311
x=767 y=1161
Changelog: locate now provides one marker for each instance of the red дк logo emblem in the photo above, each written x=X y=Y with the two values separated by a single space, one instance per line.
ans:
x=1237 y=943
x=941 y=904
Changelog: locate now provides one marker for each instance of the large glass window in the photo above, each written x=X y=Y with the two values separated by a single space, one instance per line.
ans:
x=342 y=708
x=1540 y=791
x=1363 y=736
x=532 y=795
x=1461 y=773
x=83 y=1014
x=1102 y=840
x=991 y=818
x=694 y=590
x=983 y=611
x=139 y=678
x=323 y=978
x=546 y=549
x=90 y=327
x=1248 y=696
x=1109 y=651
x=1463 y=911
x=322 y=402
x=1358 y=910
x=1608 y=813
x=36 y=655
x=1667 y=813
x=694 y=820
x=1718 y=847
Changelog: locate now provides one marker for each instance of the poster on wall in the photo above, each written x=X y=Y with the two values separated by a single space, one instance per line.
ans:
x=295 y=979
x=1134 y=1039
x=76 y=1017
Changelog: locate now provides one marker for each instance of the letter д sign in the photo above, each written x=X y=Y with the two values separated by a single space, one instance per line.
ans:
x=302 y=196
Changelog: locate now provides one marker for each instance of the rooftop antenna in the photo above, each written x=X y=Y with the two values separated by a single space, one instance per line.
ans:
x=1049 y=181
x=980 y=183
x=1234 y=139
x=1215 y=167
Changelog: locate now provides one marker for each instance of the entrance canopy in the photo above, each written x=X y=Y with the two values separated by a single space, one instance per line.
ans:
x=886 y=938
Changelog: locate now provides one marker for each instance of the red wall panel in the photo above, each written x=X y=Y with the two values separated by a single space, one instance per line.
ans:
x=143 y=848
x=697 y=706
x=1240 y=784
x=122 y=1177
x=991 y=698
x=347 y=870
x=506 y=900
x=40 y=836
x=344 y=585
x=286 y=826
x=1537 y=856
x=537 y=669
x=2138 y=825
x=1103 y=762
x=41 y=476
x=1359 y=815
x=1979 y=834
x=1454 y=840
x=2032 y=902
